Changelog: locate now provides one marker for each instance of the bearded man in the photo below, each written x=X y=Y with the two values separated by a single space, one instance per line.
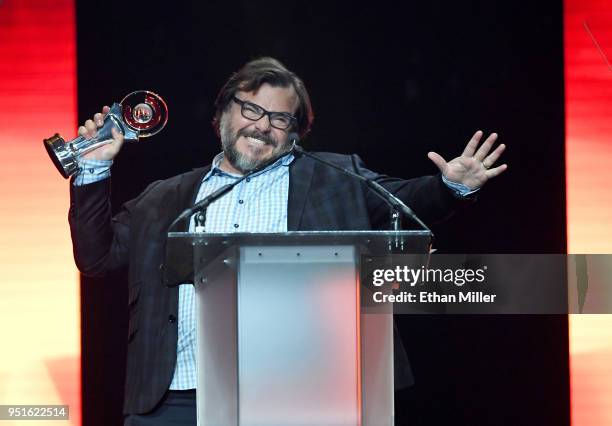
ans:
x=256 y=111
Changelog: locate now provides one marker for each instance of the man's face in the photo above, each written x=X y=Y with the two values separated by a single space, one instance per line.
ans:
x=247 y=143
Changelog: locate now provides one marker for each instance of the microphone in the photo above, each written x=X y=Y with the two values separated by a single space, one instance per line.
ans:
x=203 y=204
x=397 y=206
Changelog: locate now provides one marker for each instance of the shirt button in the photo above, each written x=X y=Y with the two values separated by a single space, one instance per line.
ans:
x=171 y=319
x=248 y=179
x=240 y=201
x=236 y=225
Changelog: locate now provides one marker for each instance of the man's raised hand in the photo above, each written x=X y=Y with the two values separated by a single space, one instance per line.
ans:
x=475 y=166
x=90 y=129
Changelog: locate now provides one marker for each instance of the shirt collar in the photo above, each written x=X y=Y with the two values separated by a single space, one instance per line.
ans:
x=215 y=168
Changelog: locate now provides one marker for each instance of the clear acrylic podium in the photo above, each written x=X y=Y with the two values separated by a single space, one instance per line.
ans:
x=280 y=336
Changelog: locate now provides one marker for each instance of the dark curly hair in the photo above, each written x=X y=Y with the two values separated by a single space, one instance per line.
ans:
x=250 y=78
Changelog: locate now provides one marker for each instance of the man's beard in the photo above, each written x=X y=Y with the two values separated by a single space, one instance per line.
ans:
x=241 y=162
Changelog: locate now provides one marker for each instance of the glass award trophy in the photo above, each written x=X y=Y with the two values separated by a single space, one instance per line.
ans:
x=140 y=114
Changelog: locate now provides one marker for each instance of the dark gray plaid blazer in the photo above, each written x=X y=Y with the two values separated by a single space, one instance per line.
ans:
x=320 y=198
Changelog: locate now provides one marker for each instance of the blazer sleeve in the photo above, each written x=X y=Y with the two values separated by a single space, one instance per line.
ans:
x=100 y=242
x=430 y=198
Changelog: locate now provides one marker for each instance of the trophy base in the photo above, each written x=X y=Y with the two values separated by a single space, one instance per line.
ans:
x=61 y=155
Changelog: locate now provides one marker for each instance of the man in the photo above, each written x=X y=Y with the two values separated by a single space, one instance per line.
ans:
x=256 y=110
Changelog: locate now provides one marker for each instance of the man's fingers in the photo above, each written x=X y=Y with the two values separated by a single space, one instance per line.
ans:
x=88 y=130
x=485 y=147
x=105 y=109
x=489 y=160
x=91 y=127
x=491 y=173
x=117 y=136
x=470 y=148
x=438 y=160
x=98 y=119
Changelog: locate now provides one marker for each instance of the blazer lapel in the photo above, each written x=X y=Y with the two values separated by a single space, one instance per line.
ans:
x=300 y=177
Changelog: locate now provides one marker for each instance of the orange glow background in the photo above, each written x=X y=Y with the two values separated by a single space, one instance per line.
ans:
x=39 y=290
x=588 y=102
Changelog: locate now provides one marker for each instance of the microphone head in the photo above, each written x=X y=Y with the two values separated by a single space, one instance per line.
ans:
x=293 y=137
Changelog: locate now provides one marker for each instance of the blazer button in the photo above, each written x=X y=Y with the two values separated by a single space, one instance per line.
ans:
x=171 y=319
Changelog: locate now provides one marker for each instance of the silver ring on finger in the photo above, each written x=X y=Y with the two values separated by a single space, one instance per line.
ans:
x=484 y=165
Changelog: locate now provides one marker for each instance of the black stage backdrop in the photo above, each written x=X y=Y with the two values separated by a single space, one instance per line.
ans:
x=389 y=82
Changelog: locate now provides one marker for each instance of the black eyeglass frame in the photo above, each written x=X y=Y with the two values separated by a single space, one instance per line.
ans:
x=270 y=114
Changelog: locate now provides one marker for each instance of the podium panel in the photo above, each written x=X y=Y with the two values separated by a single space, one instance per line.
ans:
x=298 y=356
x=280 y=336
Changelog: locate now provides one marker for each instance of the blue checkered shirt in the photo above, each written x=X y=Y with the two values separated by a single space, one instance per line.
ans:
x=257 y=204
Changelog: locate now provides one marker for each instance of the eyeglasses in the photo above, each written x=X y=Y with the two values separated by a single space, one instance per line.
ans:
x=278 y=120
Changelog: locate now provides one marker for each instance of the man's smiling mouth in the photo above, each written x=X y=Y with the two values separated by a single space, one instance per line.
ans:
x=256 y=141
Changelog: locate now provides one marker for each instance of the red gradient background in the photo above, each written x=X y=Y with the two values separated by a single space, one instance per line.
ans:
x=588 y=102
x=39 y=292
